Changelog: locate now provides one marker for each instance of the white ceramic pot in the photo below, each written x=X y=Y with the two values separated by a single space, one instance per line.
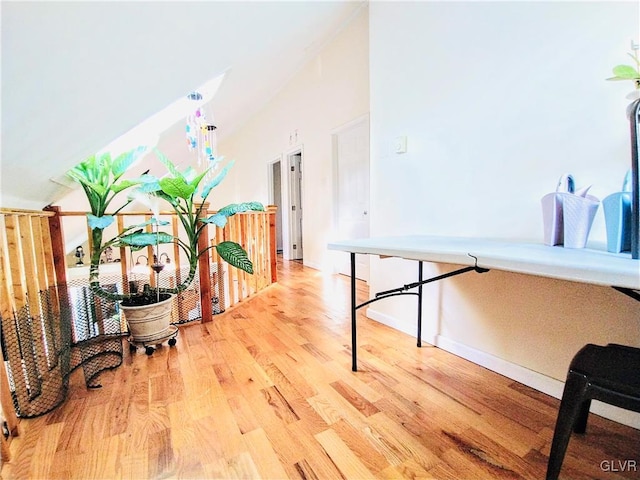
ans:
x=149 y=322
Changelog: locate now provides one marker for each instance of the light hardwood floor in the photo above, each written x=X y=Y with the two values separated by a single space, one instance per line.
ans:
x=266 y=391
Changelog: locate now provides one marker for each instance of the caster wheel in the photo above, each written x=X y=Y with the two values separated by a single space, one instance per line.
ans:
x=172 y=342
x=132 y=348
x=149 y=350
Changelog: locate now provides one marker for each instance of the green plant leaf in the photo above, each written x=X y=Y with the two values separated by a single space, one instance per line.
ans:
x=146 y=239
x=101 y=190
x=234 y=255
x=617 y=79
x=78 y=174
x=150 y=187
x=176 y=187
x=217 y=219
x=626 y=71
x=196 y=181
x=218 y=178
x=151 y=221
x=125 y=160
x=134 y=248
x=123 y=185
x=99 y=222
x=173 y=201
x=173 y=170
x=220 y=217
x=234 y=208
x=189 y=174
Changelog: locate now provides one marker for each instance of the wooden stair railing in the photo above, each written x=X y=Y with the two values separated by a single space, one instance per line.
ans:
x=218 y=286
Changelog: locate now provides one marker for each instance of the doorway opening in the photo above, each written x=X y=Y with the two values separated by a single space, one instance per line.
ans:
x=294 y=164
x=275 y=198
x=285 y=192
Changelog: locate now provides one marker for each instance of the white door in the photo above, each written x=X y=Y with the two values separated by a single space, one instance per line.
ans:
x=295 y=186
x=352 y=190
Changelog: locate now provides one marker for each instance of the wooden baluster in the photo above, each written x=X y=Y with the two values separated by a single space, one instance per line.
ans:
x=56 y=238
x=150 y=253
x=124 y=261
x=222 y=276
x=30 y=254
x=6 y=311
x=254 y=238
x=29 y=264
x=264 y=252
x=46 y=324
x=243 y=240
x=37 y=364
x=96 y=312
x=204 y=271
x=49 y=265
x=176 y=249
x=183 y=312
x=18 y=302
x=273 y=253
x=239 y=237
x=229 y=230
x=125 y=267
x=56 y=234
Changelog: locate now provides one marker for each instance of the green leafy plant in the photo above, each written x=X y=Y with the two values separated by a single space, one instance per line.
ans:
x=628 y=72
x=185 y=191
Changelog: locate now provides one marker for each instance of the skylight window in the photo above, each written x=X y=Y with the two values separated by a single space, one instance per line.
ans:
x=148 y=132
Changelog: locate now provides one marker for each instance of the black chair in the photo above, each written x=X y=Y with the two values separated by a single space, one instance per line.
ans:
x=610 y=374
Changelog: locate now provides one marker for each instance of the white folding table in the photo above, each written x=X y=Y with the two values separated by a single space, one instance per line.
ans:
x=597 y=267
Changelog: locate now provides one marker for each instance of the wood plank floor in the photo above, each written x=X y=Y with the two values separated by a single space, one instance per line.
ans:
x=266 y=391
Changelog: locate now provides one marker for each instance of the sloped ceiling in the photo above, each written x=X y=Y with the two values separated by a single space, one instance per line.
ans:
x=77 y=75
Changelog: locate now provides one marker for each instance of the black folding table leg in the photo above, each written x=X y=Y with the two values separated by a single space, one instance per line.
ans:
x=419 y=343
x=354 y=362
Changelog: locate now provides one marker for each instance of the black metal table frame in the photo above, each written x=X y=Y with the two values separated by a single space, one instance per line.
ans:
x=404 y=291
x=396 y=292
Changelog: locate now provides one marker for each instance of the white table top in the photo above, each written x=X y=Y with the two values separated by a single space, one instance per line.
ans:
x=578 y=265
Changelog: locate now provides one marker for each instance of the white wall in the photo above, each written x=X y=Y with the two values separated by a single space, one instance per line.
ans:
x=498 y=99
x=326 y=93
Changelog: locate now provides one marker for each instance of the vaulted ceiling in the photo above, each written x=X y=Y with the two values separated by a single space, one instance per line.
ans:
x=77 y=75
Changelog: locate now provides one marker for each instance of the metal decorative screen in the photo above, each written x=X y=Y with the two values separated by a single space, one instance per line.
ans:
x=42 y=344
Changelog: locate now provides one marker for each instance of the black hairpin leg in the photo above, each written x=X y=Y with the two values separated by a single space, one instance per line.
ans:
x=354 y=361
x=419 y=341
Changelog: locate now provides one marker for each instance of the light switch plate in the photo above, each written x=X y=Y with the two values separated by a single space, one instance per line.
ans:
x=400 y=144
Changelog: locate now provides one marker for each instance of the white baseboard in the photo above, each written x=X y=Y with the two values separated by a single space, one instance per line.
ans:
x=398 y=325
x=532 y=379
x=313 y=265
x=520 y=374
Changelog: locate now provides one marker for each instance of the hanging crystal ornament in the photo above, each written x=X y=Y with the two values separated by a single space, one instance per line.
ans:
x=200 y=134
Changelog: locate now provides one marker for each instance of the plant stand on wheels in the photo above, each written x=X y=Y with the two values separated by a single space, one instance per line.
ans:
x=150 y=343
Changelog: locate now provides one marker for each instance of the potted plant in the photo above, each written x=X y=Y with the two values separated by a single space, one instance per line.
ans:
x=629 y=72
x=632 y=72
x=101 y=177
